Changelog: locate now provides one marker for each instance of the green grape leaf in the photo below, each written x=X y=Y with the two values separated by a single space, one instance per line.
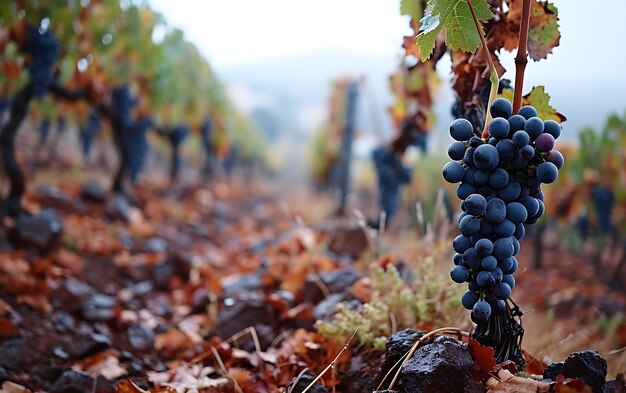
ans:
x=456 y=18
x=540 y=100
x=412 y=8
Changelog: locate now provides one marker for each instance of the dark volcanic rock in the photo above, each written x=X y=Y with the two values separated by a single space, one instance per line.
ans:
x=51 y=196
x=72 y=381
x=440 y=367
x=41 y=231
x=299 y=383
x=349 y=241
x=248 y=309
x=100 y=307
x=89 y=344
x=586 y=365
x=118 y=208
x=397 y=346
x=94 y=192
x=337 y=281
x=140 y=337
x=72 y=294
x=617 y=385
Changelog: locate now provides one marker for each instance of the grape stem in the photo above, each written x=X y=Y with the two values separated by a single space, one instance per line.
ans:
x=493 y=78
x=521 y=59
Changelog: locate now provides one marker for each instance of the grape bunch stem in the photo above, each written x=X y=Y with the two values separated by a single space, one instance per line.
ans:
x=493 y=78
x=521 y=59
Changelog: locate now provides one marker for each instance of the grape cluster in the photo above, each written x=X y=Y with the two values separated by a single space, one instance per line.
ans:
x=391 y=175
x=135 y=146
x=44 y=131
x=44 y=48
x=89 y=130
x=123 y=102
x=500 y=195
x=603 y=202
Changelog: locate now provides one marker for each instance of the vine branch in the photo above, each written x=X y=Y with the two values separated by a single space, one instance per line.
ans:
x=521 y=59
x=493 y=78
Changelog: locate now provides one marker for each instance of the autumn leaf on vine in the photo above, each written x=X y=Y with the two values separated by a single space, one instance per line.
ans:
x=540 y=100
x=456 y=18
x=543 y=34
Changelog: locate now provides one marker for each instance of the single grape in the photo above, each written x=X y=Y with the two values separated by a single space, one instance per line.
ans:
x=461 y=243
x=503 y=248
x=469 y=177
x=527 y=152
x=516 y=212
x=485 y=279
x=453 y=172
x=544 y=143
x=481 y=311
x=493 y=141
x=499 y=178
x=457 y=259
x=505 y=228
x=510 y=192
x=471 y=258
x=499 y=128
x=531 y=205
x=484 y=247
x=459 y=274
x=475 y=141
x=486 y=157
x=547 y=172
x=506 y=149
x=456 y=151
x=508 y=266
x=501 y=291
x=476 y=204
x=489 y=262
x=552 y=127
x=534 y=127
x=520 y=139
x=461 y=130
x=516 y=123
x=469 y=299
x=497 y=306
x=520 y=231
x=464 y=190
x=501 y=107
x=556 y=158
x=527 y=111
x=469 y=225
x=509 y=279
x=496 y=211
x=481 y=178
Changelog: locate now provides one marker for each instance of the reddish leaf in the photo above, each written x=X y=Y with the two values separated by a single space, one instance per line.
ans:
x=571 y=385
x=533 y=365
x=482 y=355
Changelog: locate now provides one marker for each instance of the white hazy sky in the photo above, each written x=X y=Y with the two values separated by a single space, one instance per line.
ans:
x=586 y=69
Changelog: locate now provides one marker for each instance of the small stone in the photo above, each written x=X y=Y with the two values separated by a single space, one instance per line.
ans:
x=89 y=344
x=248 y=309
x=40 y=231
x=100 y=307
x=155 y=244
x=349 y=241
x=72 y=381
x=304 y=379
x=140 y=337
x=118 y=209
x=94 y=192
x=53 y=197
x=326 y=307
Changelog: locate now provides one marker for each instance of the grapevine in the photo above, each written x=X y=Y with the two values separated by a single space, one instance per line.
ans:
x=502 y=152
